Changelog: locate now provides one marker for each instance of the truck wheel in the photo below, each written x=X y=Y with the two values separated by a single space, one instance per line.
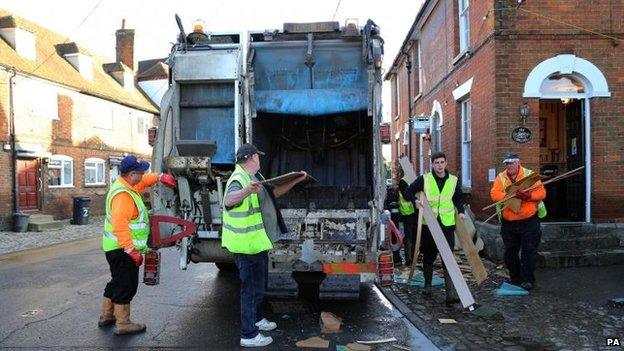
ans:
x=226 y=267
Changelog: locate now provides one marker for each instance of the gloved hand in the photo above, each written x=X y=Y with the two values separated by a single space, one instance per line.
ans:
x=136 y=257
x=167 y=180
x=523 y=195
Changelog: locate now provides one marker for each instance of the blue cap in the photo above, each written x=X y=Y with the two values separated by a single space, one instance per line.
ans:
x=131 y=163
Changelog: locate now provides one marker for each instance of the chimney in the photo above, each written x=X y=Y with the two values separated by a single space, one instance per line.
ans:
x=125 y=45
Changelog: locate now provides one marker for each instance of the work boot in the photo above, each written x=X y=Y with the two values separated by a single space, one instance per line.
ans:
x=428 y=277
x=107 y=317
x=451 y=294
x=123 y=325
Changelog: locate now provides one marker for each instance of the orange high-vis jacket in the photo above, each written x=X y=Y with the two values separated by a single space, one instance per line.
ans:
x=123 y=210
x=528 y=208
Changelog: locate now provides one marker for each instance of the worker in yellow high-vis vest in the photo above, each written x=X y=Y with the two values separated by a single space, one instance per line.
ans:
x=409 y=218
x=251 y=223
x=445 y=197
x=126 y=229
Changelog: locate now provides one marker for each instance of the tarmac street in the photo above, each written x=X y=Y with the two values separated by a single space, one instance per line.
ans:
x=50 y=299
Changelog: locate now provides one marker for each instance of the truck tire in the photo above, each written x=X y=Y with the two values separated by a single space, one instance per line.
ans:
x=226 y=267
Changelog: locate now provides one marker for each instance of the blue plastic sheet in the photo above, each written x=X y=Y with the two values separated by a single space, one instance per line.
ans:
x=507 y=289
x=418 y=281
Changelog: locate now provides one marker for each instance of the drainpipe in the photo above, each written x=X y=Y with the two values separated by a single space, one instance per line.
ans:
x=408 y=65
x=12 y=141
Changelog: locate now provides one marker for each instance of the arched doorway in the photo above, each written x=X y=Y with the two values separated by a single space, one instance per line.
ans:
x=564 y=85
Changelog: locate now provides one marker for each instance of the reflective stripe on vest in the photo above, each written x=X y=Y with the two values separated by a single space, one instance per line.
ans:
x=139 y=227
x=541 y=207
x=406 y=208
x=243 y=229
x=441 y=202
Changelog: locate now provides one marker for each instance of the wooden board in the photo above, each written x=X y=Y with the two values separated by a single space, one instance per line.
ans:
x=438 y=236
x=465 y=230
x=284 y=178
x=514 y=203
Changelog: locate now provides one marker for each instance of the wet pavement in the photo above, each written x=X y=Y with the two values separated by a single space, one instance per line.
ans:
x=568 y=310
x=50 y=298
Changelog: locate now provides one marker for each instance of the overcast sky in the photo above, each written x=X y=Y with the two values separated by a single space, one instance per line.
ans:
x=155 y=26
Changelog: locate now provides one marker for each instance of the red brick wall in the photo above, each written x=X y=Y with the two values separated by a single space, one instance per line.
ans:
x=125 y=47
x=73 y=135
x=527 y=40
x=500 y=65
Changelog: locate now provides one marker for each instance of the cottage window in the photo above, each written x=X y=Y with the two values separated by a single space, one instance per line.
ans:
x=60 y=171
x=94 y=171
x=466 y=143
x=464 y=25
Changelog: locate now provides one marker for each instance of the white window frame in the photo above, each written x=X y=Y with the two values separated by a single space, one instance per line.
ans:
x=420 y=70
x=466 y=142
x=142 y=119
x=64 y=160
x=463 y=7
x=96 y=162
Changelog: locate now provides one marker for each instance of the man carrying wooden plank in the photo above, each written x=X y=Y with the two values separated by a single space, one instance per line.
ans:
x=444 y=196
x=521 y=229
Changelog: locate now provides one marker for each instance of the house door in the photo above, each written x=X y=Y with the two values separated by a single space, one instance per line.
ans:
x=562 y=148
x=28 y=182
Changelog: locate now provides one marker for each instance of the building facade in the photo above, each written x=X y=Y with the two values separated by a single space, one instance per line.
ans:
x=67 y=117
x=539 y=78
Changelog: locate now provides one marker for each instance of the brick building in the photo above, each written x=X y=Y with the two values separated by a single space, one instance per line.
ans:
x=471 y=67
x=73 y=115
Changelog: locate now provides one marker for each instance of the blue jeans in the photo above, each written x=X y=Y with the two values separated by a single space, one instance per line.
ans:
x=253 y=270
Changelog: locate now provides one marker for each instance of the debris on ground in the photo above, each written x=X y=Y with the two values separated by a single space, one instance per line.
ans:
x=330 y=323
x=382 y=341
x=401 y=347
x=313 y=342
x=356 y=347
x=447 y=321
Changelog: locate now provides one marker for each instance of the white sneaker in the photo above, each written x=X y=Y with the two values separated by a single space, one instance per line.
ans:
x=266 y=325
x=259 y=341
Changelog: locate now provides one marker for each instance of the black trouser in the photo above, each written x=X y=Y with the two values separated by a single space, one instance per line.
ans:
x=125 y=277
x=522 y=235
x=409 y=241
x=428 y=246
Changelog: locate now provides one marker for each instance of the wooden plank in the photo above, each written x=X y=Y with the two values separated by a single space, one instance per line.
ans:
x=284 y=178
x=438 y=236
x=418 y=235
x=465 y=230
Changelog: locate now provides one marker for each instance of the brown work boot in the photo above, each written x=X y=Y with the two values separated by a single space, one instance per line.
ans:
x=107 y=317
x=123 y=325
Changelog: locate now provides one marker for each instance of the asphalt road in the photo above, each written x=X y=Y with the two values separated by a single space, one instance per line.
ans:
x=50 y=299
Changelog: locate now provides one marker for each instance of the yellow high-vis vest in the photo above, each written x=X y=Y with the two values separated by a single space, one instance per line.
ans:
x=243 y=230
x=441 y=202
x=139 y=227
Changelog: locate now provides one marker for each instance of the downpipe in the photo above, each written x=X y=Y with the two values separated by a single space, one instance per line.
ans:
x=14 y=190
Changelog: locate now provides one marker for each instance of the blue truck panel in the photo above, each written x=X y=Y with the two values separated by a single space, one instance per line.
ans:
x=335 y=83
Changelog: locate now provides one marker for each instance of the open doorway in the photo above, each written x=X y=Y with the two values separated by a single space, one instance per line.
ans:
x=562 y=148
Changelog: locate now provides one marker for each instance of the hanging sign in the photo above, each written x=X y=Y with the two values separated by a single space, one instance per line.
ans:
x=521 y=135
x=420 y=124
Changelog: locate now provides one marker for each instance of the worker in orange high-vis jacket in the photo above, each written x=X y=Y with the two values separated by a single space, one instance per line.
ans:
x=126 y=230
x=520 y=230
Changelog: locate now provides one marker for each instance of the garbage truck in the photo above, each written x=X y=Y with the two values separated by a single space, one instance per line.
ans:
x=309 y=97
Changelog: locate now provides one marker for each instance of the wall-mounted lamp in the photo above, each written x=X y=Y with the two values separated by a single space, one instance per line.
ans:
x=524 y=112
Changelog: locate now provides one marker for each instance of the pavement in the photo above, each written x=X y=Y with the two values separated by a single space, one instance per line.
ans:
x=567 y=310
x=50 y=299
x=12 y=242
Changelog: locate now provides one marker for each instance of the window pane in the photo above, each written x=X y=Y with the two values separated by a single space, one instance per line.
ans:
x=100 y=173
x=89 y=176
x=54 y=164
x=54 y=176
x=67 y=173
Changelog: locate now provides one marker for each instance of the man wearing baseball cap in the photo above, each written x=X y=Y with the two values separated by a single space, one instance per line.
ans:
x=251 y=223
x=126 y=229
x=520 y=231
